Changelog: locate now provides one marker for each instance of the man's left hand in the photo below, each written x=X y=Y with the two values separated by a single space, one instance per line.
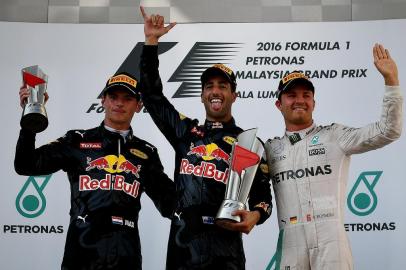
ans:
x=248 y=220
x=385 y=65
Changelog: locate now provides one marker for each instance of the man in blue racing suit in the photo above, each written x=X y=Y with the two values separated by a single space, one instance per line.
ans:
x=309 y=170
x=201 y=165
x=108 y=169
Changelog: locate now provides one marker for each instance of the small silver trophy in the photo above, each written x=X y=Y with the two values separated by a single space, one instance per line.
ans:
x=34 y=116
x=245 y=158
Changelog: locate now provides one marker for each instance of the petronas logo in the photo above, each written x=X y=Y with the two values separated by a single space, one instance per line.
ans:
x=30 y=201
x=362 y=199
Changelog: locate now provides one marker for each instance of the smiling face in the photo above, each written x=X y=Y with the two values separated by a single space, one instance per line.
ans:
x=218 y=97
x=296 y=106
x=120 y=106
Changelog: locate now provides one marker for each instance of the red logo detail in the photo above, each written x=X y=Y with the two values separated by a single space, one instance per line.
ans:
x=90 y=145
x=99 y=163
x=200 y=151
x=32 y=80
x=197 y=132
x=220 y=155
x=205 y=169
x=127 y=167
x=110 y=182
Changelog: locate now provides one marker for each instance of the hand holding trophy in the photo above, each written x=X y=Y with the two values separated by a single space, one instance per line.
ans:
x=245 y=158
x=34 y=116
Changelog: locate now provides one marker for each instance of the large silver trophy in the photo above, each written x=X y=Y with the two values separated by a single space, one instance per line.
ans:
x=34 y=116
x=245 y=158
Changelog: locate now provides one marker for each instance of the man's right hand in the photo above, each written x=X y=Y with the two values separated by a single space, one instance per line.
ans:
x=25 y=93
x=154 y=27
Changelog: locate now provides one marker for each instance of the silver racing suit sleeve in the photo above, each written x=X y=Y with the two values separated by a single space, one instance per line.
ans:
x=377 y=134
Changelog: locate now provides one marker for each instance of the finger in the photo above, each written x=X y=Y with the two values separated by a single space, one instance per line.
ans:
x=388 y=54
x=143 y=13
x=383 y=51
x=375 y=52
x=46 y=96
x=169 y=27
x=154 y=20
x=160 y=20
x=379 y=51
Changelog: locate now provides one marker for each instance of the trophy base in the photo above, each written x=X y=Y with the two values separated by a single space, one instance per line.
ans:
x=227 y=208
x=34 y=118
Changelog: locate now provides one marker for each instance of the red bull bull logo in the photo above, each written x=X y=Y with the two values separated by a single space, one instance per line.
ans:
x=205 y=169
x=128 y=167
x=98 y=163
x=209 y=152
x=113 y=164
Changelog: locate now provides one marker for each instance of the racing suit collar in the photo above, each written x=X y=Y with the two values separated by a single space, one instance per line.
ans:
x=296 y=136
x=106 y=132
x=216 y=124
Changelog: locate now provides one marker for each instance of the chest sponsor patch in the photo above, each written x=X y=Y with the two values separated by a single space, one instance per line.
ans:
x=317 y=151
x=90 y=145
x=138 y=153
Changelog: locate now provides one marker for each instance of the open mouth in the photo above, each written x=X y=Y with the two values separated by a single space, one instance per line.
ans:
x=216 y=103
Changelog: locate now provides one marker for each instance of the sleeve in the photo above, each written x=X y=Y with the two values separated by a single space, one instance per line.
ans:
x=260 y=195
x=159 y=187
x=44 y=160
x=378 y=134
x=172 y=124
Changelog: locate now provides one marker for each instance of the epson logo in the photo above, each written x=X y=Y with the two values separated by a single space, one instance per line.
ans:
x=317 y=151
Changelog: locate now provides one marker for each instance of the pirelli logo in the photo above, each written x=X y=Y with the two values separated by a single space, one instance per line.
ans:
x=294 y=75
x=317 y=151
x=223 y=68
x=123 y=79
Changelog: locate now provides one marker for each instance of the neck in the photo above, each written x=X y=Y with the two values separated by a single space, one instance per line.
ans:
x=117 y=126
x=296 y=127
x=220 y=119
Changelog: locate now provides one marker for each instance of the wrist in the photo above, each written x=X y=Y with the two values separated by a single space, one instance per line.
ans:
x=151 y=40
x=391 y=81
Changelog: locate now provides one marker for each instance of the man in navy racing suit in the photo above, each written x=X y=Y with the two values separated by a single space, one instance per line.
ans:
x=309 y=169
x=201 y=165
x=108 y=169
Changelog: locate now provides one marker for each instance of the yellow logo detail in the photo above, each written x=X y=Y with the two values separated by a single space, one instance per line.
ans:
x=139 y=153
x=124 y=79
x=229 y=140
x=223 y=68
x=292 y=76
x=264 y=168
x=182 y=117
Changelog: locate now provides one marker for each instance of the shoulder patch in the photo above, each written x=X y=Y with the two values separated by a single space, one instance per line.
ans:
x=229 y=139
x=182 y=116
x=138 y=153
x=264 y=168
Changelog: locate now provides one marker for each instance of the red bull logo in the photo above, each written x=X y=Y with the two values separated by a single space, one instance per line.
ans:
x=113 y=164
x=99 y=163
x=209 y=152
x=110 y=182
x=128 y=167
x=205 y=169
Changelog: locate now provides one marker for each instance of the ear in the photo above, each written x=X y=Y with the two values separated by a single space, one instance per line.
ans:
x=103 y=99
x=278 y=104
x=201 y=97
x=139 y=106
x=234 y=96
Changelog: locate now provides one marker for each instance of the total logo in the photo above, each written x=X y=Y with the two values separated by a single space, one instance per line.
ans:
x=111 y=164
x=363 y=200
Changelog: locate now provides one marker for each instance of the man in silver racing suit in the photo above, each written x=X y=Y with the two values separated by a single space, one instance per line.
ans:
x=309 y=170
